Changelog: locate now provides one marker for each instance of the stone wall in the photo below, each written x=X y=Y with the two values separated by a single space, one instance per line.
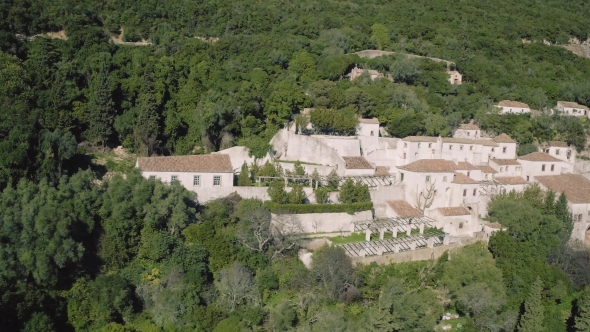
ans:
x=418 y=254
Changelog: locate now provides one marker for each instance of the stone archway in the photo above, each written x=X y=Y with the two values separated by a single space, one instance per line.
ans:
x=587 y=237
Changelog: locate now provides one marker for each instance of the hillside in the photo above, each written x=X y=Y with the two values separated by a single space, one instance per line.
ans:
x=175 y=77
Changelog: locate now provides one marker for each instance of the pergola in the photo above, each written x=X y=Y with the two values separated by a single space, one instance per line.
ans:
x=407 y=241
x=369 y=180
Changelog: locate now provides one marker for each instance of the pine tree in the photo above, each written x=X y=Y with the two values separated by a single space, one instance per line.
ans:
x=583 y=317
x=563 y=213
x=147 y=123
x=532 y=318
x=101 y=111
x=244 y=176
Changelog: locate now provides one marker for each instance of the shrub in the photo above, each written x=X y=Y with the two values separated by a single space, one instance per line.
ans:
x=318 y=208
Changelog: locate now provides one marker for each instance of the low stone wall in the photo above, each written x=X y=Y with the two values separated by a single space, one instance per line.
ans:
x=418 y=254
x=329 y=222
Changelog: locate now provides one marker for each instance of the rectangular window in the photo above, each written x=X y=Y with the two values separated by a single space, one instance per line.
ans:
x=557 y=152
x=504 y=150
x=464 y=192
x=471 y=148
x=429 y=145
x=579 y=217
x=152 y=177
x=372 y=133
x=173 y=178
x=401 y=178
x=507 y=168
x=527 y=178
x=444 y=179
x=427 y=178
x=543 y=168
x=460 y=225
x=493 y=149
x=196 y=180
x=474 y=192
x=217 y=180
x=450 y=147
x=461 y=147
x=552 y=167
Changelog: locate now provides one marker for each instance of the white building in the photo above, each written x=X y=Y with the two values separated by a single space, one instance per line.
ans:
x=358 y=166
x=513 y=107
x=455 y=77
x=458 y=221
x=539 y=163
x=468 y=130
x=577 y=191
x=572 y=109
x=207 y=175
x=560 y=150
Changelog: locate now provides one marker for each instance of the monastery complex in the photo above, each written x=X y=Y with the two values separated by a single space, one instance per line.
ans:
x=438 y=182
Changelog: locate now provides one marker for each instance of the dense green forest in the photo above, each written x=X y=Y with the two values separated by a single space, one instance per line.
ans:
x=86 y=253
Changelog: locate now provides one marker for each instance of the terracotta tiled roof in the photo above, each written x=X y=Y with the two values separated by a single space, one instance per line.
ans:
x=465 y=166
x=420 y=139
x=504 y=162
x=571 y=104
x=487 y=169
x=357 y=163
x=538 y=156
x=459 y=140
x=403 y=209
x=510 y=103
x=369 y=121
x=208 y=163
x=430 y=165
x=503 y=138
x=469 y=126
x=558 y=144
x=451 y=72
x=461 y=178
x=575 y=186
x=486 y=142
x=454 y=211
x=510 y=180
x=381 y=171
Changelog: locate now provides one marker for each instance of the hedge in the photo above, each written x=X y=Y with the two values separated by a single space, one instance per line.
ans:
x=318 y=208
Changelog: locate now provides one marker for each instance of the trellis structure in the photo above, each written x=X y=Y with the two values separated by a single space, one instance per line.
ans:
x=403 y=242
x=369 y=180
x=396 y=245
x=491 y=188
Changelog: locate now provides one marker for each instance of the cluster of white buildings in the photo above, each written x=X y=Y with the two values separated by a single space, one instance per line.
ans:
x=565 y=108
x=450 y=180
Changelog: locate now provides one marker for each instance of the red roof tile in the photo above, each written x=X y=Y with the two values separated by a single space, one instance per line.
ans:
x=510 y=180
x=454 y=211
x=430 y=165
x=357 y=163
x=538 y=156
x=461 y=178
x=503 y=138
x=209 y=163
x=575 y=186
x=403 y=209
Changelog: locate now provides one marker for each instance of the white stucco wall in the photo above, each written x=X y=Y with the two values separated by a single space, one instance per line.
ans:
x=329 y=222
x=504 y=151
x=306 y=148
x=368 y=129
x=464 y=225
x=344 y=146
x=467 y=133
x=571 y=111
x=238 y=155
x=513 y=110
x=535 y=168
x=415 y=182
x=561 y=153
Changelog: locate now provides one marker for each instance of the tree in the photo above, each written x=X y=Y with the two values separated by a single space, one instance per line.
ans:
x=582 y=319
x=296 y=195
x=101 y=111
x=57 y=148
x=351 y=192
x=254 y=230
x=236 y=287
x=380 y=36
x=277 y=192
x=244 y=176
x=332 y=268
x=147 y=127
x=532 y=318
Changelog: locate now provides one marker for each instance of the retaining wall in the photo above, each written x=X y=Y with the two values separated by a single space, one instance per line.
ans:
x=329 y=222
